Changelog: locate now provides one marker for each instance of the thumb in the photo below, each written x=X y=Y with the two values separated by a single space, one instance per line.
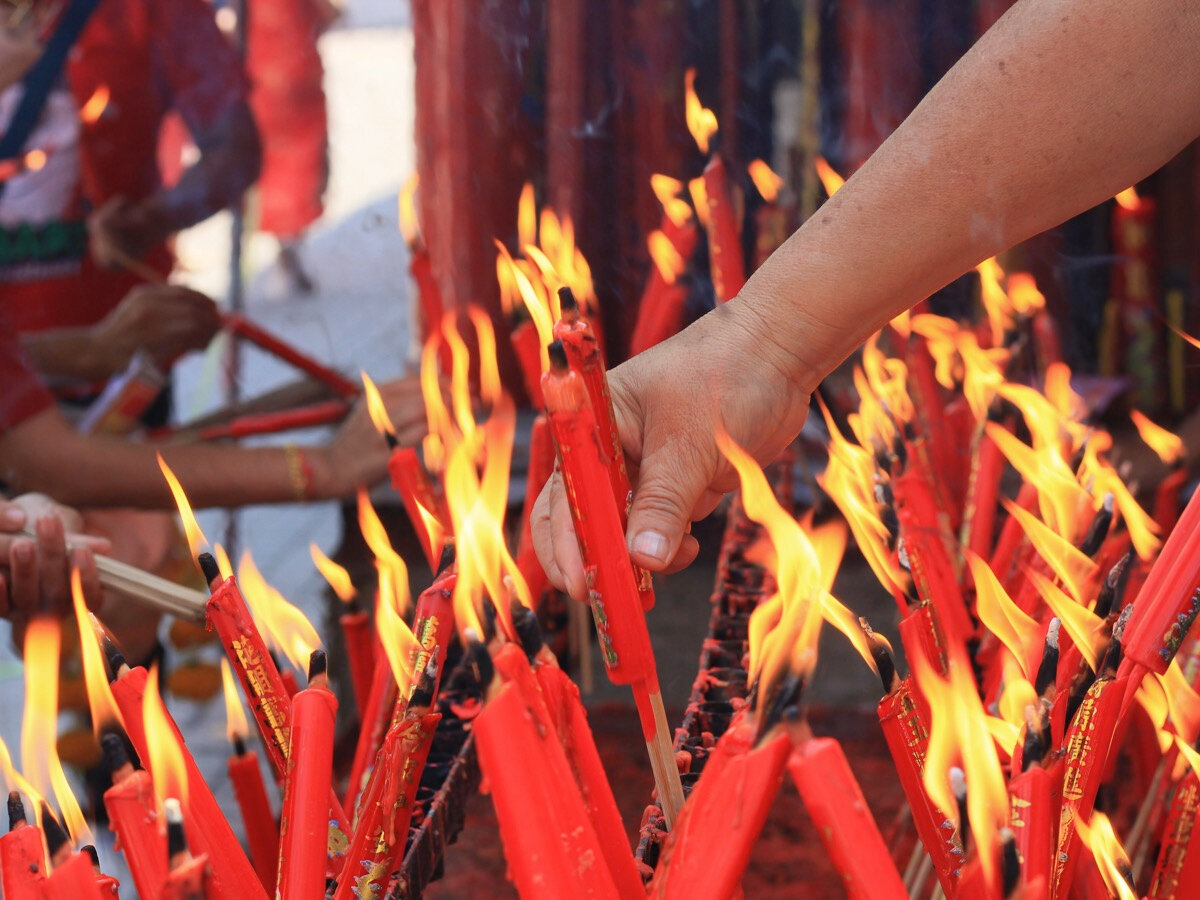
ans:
x=666 y=493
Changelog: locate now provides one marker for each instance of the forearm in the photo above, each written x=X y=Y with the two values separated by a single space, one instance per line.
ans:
x=68 y=353
x=1062 y=104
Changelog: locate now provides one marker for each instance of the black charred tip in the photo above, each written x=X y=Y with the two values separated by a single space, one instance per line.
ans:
x=1098 y=531
x=16 y=810
x=208 y=565
x=529 y=632
x=782 y=702
x=239 y=745
x=318 y=664
x=1048 y=668
x=1112 y=591
x=112 y=655
x=56 y=835
x=113 y=751
x=90 y=850
x=426 y=686
x=566 y=300
x=392 y=441
x=446 y=560
x=176 y=838
x=558 y=356
x=882 y=655
x=1010 y=863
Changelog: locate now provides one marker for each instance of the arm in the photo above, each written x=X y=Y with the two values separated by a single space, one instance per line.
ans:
x=1056 y=108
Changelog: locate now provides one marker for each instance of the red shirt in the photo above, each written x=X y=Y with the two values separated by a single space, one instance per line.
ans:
x=150 y=56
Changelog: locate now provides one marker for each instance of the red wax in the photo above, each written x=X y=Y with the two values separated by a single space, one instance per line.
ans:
x=921 y=634
x=707 y=851
x=570 y=723
x=661 y=310
x=262 y=834
x=411 y=481
x=1031 y=818
x=22 y=862
x=724 y=237
x=983 y=492
x=73 y=880
x=191 y=880
x=141 y=835
x=304 y=831
x=541 y=466
x=528 y=347
x=1166 y=499
x=371 y=729
x=944 y=464
x=1181 y=834
x=428 y=293
x=360 y=654
x=290 y=684
x=1012 y=536
x=842 y=818
x=385 y=813
x=531 y=786
x=204 y=821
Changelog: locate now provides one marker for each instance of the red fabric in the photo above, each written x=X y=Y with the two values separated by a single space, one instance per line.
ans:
x=289 y=106
x=22 y=393
x=152 y=55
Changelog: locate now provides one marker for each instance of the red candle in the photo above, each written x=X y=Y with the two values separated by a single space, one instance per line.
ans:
x=262 y=834
x=709 y=846
x=22 y=860
x=531 y=786
x=360 y=652
x=189 y=880
x=133 y=818
x=73 y=880
x=1032 y=822
x=372 y=727
x=1135 y=291
x=528 y=347
x=840 y=813
x=983 y=491
x=1181 y=834
x=1166 y=499
x=724 y=237
x=660 y=312
x=541 y=466
x=411 y=481
x=304 y=828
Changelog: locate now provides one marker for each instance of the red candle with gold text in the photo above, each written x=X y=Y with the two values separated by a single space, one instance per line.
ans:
x=305 y=821
x=1135 y=291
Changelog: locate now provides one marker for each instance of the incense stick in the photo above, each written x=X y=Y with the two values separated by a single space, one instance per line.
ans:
x=152 y=590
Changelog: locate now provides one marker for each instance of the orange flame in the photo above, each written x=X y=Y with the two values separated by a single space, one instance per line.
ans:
x=337 y=577
x=1104 y=479
x=667 y=190
x=283 y=625
x=1024 y=295
x=93 y=108
x=766 y=182
x=408 y=210
x=1098 y=836
x=224 y=566
x=375 y=406
x=195 y=537
x=437 y=417
x=538 y=310
x=701 y=122
x=1015 y=628
x=167 y=766
x=103 y=706
x=830 y=179
x=1085 y=628
x=1128 y=199
x=236 y=725
x=400 y=645
x=527 y=224
x=995 y=299
x=376 y=536
x=35 y=159
x=490 y=386
x=1167 y=445
x=699 y=195
x=1059 y=495
x=1183 y=702
x=666 y=258
x=39 y=725
x=1069 y=563
x=15 y=781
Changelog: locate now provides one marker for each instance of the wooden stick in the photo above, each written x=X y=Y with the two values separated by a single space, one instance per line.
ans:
x=153 y=590
x=662 y=760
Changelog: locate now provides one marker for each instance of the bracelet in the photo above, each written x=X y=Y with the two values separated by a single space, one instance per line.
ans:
x=300 y=472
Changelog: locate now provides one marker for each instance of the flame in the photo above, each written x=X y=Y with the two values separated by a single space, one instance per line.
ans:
x=103 y=706
x=1112 y=860
x=490 y=386
x=1070 y=564
x=667 y=190
x=941 y=337
x=1059 y=495
x=283 y=625
x=1152 y=697
x=1016 y=629
x=195 y=537
x=960 y=735
x=435 y=531
x=701 y=122
x=995 y=300
x=39 y=725
x=888 y=378
x=337 y=577
x=224 y=566
x=236 y=725
x=1167 y=445
x=400 y=645
x=1024 y=295
x=408 y=210
x=437 y=417
x=983 y=373
x=830 y=179
x=538 y=310
x=666 y=258
x=15 y=781
x=1016 y=697
x=527 y=225
x=376 y=536
x=699 y=195
x=1085 y=629
x=35 y=159
x=1057 y=388
x=766 y=182
x=93 y=108
x=1183 y=702
x=1104 y=479
x=167 y=766
x=375 y=406
x=1128 y=199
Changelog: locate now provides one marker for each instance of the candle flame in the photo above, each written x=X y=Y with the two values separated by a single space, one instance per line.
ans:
x=1001 y=616
x=1183 y=702
x=667 y=190
x=167 y=767
x=375 y=406
x=376 y=537
x=15 y=781
x=1085 y=629
x=195 y=536
x=93 y=108
x=1167 y=445
x=699 y=194
x=490 y=386
x=103 y=706
x=1128 y=199
x=527 y=216
x=666 y=258
x=1069 y=563
x=701 y=121
x=39 y=725
x=400 y=645
x=766 y=182
x=336 y=576
x=224 y=566
x=283 y=625
x=35 y=159
x=830 y=179
x=408 y=210
x=1024 y=295
x=539 y=311
x=1098 y=836
x=236 y=724
x=994 y=299
x=437 y=416
x=1104 y=479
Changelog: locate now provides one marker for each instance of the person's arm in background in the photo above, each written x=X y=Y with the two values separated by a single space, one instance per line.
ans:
x=1059 y=106
x=200 y=71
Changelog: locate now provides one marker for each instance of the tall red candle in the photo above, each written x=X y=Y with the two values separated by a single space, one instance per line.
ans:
x=1179 y=854
x=22 y=861
x=360 y=652
x=724 y=237
x=843 y=820
x=541 y=466
x=411 y=481
x=1135 y=290
x=73 y=880
x=1031 y=818
x=306 y=812
x=262 y=834
x=661 y=310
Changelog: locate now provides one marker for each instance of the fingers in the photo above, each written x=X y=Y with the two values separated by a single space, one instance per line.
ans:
x=23 y=580
x=84 y=562
x=53 y=574
x=12 y=517
x=543 y=538
x=666 y=493
x=554 y=539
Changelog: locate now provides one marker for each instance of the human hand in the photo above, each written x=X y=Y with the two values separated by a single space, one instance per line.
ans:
x=165 y=320
x=358 y=454
x=121 y=230
x=20 y=46
x=725 y=372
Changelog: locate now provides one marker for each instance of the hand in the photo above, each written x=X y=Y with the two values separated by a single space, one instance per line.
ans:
x=358 y=455
x=724 y=372
x=122 y=230
x=165 y=320
x=20 y=47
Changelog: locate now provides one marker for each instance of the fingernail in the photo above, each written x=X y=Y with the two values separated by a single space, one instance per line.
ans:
x=651 y=545
x=13 y=517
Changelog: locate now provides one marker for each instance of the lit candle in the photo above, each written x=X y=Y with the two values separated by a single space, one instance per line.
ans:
x=724 y=236
x=133 y=818
x=22 y=867
x=262 y=833
x=74 y=879
x=187 y=875
x=306 y=813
